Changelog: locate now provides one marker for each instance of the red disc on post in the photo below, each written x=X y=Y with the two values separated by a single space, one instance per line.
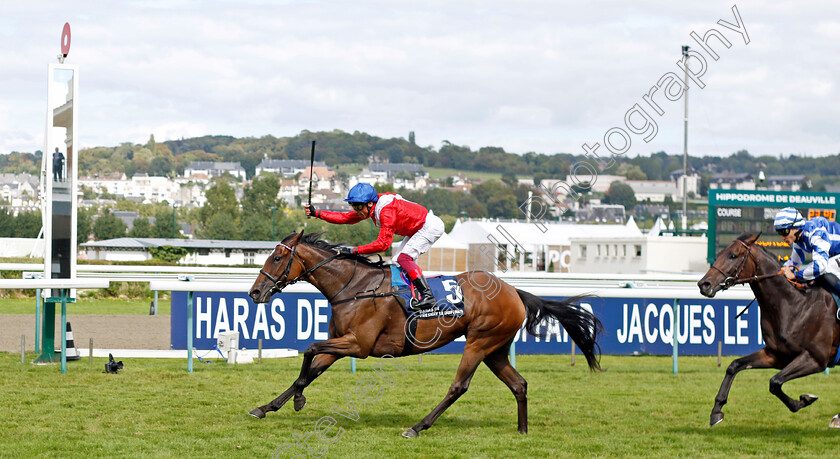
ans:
x=65 y=39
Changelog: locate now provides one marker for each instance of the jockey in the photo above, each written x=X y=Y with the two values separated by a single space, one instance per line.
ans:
x=393 y=215
x=818 y=236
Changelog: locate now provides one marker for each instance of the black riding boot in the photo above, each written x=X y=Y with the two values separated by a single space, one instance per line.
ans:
x=427 y=300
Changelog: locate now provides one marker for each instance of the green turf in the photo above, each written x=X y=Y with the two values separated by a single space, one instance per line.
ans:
x=636 y=408
x=87 y=306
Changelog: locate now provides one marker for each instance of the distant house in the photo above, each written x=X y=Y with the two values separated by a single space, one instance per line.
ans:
x=742 y=181
x=214 y=169
x=655 y=190
x=601 y=213
x=692 y=182
x=201 y=251
x=391 y=170
x=19 y=190
x=285 y=167
x=787 y=182
x=322 y=177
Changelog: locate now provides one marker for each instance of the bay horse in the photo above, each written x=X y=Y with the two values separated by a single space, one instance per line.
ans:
x=798 y=324
x=368 y=320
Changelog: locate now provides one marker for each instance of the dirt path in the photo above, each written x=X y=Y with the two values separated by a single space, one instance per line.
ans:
x=107 y=331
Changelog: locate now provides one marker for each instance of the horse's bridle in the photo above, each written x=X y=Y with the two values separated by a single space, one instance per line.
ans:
x=731 y=280
x=280 y=283
x=283 y=281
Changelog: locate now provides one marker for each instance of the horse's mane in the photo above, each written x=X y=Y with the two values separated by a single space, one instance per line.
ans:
x=744 y=236
x=314 y=240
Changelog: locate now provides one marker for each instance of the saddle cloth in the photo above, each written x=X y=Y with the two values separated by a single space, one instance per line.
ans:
x=836 y=303
x=447 y=292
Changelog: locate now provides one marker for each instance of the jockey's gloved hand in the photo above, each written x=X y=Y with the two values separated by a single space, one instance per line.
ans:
x=346 y=250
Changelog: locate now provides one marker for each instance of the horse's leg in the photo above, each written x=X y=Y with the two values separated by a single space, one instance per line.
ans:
x=342 y=346
x=499 y=363
x=758 y=359
x=327 y=352
x=473 y=355
x=319 y=364
x=803 y=365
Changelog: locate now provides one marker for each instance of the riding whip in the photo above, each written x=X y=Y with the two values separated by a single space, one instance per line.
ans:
x=311 y=166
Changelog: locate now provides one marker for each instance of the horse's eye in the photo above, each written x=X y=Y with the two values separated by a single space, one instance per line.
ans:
x=277 y=259
x=733 y=256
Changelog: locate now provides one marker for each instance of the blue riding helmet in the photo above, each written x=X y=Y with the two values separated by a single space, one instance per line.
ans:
x=362 y=192
x=788 y=218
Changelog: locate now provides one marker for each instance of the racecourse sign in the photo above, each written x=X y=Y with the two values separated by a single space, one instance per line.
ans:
x=631 y=325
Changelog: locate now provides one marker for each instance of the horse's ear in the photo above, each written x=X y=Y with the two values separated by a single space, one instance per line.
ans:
x=751 y=240
x=296 y=240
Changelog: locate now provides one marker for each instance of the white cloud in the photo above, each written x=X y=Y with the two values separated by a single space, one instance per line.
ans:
x=535 y=75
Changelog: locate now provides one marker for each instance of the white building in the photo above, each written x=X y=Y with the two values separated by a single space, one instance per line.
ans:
x=19 y=190
x=535 y=246
x=215 y=169
x=648 y=254
x=115 y=183
x=655 y=190
x=285 y=167
x=742 y=181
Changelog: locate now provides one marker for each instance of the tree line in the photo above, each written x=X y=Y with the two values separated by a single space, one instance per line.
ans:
x=338 y=149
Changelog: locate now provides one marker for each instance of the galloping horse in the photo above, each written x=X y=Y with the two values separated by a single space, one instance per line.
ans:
x=800 y=331
x=367 y=320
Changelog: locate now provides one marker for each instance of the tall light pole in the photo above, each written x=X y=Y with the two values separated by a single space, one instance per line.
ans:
x=173 y=219
x=685 y=144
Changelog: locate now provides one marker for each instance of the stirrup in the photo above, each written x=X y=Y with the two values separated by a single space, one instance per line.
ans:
x=422 y=304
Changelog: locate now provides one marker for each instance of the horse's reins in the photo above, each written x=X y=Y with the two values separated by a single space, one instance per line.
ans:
x=732 y=280
x=276 y=287
x=285 y=276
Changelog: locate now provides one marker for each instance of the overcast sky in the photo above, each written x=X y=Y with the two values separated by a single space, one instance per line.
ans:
x=543 y=76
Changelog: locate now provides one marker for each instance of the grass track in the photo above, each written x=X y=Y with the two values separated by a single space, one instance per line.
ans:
x=88 y=306
x=637 y=408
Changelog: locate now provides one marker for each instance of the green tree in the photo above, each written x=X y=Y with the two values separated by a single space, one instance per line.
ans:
x=108 y=226
x=141 y=228
x=168 y=253
x=161 y=167
x=261 y=195
x=84 y=224
x=163 y=227
x=221 y=200
x=502 y=206
x=621 y=194
x=631 y=171
x=7 y=223
x=220 y=227
x=27 y=224
x=487 y=189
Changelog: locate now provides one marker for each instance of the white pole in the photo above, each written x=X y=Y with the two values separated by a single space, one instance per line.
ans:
x=685 y=145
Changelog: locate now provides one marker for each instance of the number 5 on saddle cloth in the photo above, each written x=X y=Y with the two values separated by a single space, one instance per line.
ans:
x=448 y=296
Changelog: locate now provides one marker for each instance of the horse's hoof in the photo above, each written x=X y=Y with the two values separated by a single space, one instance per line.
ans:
x=257 y=413
x=300 y=402
x=807 y=399
x=410 y=433
x=835 y=422
x=715 y=419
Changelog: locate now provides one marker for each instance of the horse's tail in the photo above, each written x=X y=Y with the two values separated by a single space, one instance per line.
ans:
x=581 y=325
